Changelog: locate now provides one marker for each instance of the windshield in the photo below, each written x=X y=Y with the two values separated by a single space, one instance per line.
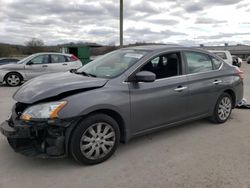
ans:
x=24 y=59
x=112 y=64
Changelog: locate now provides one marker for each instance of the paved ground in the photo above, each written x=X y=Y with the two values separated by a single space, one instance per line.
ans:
x=198 y=154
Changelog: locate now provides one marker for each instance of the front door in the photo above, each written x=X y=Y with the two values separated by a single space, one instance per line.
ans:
x=163 y=101
x=37 y=66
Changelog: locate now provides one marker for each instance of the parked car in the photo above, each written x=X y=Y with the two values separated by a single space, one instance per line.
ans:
x=225 y=55
x=36 y=65
x=248 y=60
x=121 y=95
x=7 y=60
x=236 y=61
x=240 y=60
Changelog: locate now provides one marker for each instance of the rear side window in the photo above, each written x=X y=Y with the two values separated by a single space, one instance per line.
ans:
x=58 y=59
x=198 y=62
x=217 y=63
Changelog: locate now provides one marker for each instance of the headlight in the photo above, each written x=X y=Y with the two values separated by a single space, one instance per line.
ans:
x=43 y=111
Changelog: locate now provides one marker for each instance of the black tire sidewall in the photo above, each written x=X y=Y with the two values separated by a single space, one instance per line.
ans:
x=16 y=74
x=216 y=117
x=81 y=128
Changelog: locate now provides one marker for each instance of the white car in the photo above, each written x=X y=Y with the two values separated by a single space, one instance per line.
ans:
x=237 y=61
x=225 y=55
x=36 y=65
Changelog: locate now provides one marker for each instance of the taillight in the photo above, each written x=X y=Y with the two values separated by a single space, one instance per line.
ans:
x=240 y=73
x=74 y=58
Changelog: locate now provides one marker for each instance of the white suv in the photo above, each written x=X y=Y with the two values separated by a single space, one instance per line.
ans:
x=225 y=55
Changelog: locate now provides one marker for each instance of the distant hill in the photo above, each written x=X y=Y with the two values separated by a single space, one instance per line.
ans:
x=7 y=50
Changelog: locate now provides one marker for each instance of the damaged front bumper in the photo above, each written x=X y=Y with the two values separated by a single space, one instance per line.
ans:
x=43 y=139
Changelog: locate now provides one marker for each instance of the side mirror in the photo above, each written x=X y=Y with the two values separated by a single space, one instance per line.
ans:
x=145 y=76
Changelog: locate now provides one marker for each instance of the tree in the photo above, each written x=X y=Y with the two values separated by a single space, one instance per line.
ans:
x=35 y=45
x=8 y=50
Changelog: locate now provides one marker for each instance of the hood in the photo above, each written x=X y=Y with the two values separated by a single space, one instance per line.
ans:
x=52 y=85
x=12 y=66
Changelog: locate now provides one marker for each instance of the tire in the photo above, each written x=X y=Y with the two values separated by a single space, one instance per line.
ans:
x=13 y=79
x=88 y=144
x=223 y=109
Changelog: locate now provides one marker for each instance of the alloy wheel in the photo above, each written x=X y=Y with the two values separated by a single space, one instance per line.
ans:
x=97 y=141
x=224 y=109
x=13 y=80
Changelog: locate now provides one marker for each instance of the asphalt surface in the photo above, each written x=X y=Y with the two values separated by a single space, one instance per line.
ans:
x=198 y=154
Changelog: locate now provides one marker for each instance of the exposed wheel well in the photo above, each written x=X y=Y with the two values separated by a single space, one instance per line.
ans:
x=232 y=94
x=21 y=76
x=118 y=118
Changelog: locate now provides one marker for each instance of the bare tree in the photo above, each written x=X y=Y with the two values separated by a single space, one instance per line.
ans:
x=35 y=45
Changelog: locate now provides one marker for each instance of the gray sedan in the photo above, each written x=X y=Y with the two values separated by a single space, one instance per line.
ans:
x=129 y=92
x=35 y=65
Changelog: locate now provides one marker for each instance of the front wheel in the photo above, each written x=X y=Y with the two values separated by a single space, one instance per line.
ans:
x=13 y=79
x=95 y=139
x=223 y=109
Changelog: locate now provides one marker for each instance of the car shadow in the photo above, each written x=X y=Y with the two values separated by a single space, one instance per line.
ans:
x=165 y=133
x=132 y=146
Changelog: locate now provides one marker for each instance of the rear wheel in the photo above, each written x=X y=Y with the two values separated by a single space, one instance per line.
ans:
x=223 y=109
x=13 y=79
x=95 y=139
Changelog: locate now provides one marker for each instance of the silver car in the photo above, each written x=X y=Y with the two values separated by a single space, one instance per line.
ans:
x=36 y=65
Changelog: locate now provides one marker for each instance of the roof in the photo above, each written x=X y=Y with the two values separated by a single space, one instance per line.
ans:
x=218 y=50
x=153 y=47
x=159 y=48
x=55 y=53
x=72 y=45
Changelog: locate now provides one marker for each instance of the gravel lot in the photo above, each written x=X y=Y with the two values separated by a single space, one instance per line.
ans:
x=198 y=154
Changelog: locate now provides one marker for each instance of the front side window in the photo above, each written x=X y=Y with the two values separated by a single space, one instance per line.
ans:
x=198 y=62
x=113 y=63
x=164 y=66
x=41 y=59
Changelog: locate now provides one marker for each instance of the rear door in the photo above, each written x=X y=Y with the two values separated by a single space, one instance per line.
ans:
x=162 y=101
x=37 y=66
x=204 y=82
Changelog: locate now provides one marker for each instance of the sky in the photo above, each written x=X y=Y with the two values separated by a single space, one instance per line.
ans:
x=185 y=22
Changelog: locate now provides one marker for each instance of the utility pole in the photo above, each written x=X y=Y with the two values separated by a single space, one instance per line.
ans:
x=121 y=23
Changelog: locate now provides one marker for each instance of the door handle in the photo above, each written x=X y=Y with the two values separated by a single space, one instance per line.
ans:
x=45 y=66
x=64 y=64
x=217 y=82
x=180 y=88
